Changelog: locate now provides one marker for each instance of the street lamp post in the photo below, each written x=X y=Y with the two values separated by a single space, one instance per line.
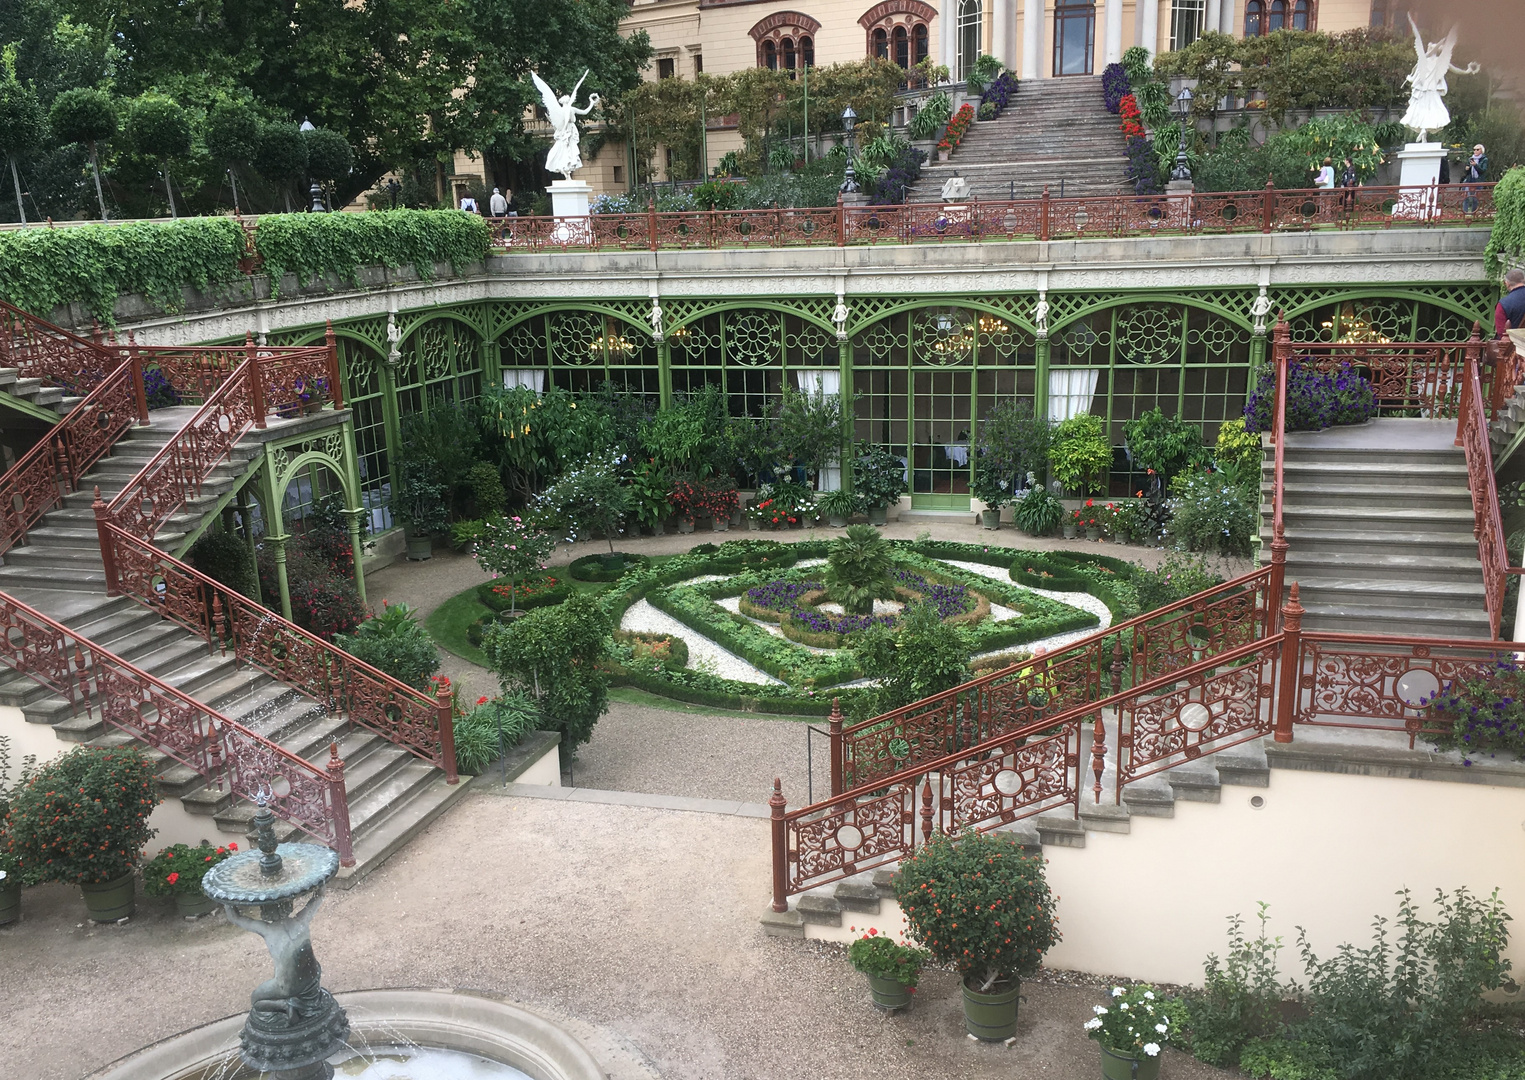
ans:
x=1182 y=171
x=849 y=181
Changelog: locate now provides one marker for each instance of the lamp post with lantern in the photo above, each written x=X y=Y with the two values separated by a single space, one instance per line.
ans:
x=849 y=181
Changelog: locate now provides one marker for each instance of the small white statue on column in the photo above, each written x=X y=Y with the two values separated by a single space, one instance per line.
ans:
x=655 y=318
x=394 y=336
x=1260 y=309
x=839 y=316
x=1040 y=316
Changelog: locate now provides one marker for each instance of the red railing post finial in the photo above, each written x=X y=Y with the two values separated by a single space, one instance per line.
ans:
x=1267 y=206
x=108 y=545
x=1099 y=754
x=834 y=730
x=841 y=221
x=443 y=701
x=1043 y=212
x=1291 y=666
x=776 y=804
x=343 y=843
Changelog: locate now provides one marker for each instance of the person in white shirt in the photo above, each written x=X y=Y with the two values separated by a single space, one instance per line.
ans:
x=497 y=204
x=1326 y=175
x=468 y=204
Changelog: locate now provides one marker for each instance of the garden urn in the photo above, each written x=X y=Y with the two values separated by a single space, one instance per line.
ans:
x=991 y=518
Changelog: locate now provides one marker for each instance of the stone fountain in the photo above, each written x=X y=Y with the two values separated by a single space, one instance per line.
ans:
x=294 y=1024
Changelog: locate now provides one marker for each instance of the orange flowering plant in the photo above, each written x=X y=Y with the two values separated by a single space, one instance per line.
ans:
x=979 y=902
x=178 y=869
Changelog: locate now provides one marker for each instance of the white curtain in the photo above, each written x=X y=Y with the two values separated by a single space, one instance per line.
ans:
x=826 y=381
x=534 y=378
x=1070 y=390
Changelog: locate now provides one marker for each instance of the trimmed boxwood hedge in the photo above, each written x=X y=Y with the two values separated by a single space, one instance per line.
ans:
x=496 y=602
x=591 y=568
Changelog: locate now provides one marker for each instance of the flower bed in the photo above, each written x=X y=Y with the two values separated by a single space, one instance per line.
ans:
x=528 y=594
x=958 y=127
x=591 y=568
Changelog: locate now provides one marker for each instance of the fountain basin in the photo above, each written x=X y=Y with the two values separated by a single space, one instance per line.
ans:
x=379 y=1020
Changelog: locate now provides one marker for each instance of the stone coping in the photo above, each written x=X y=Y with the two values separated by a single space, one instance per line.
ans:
x=519 y=757
x=1381 y=753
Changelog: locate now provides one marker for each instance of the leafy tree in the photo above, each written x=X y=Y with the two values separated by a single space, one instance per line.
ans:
x=232 y=135
x=85 y=115
x=329 y=157
x=588 y=499
x=281 y=156
x=1013 y=442
x=23 y=127
x=555 y=653
x=811 y=427
x=858 y=569
x=922 y=656
x=158 y=128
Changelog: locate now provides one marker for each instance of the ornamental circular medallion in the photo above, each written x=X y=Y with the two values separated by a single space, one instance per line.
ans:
x=1008 y=782
x=1416 y=686
x=1194 y=716
x=850 y=837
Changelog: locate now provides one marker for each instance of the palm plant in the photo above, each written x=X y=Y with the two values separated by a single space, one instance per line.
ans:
x=858 y=570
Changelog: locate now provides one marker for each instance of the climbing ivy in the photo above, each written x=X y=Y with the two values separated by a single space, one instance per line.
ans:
x=313 y=245
x=45 y=268
x=1506 y=244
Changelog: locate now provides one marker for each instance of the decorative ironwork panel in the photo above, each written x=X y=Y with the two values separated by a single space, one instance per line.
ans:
x=943 y=336
x=1149 y=333
x=753 y=338
x=1018 y=778
x=849 y=836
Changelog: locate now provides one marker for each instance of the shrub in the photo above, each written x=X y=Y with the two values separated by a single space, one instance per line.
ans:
x=858 y=569
x=178 y=869
x=1013 y=442
x=1240 y=995
x=998 y=95
x=879 y=957
x=933 y=114
x=1037 y=512
x=588 y=498
x=1163 y=446
x=82 y=818
x=556 y=654
x=225 y=558
x=922 y=656
x=1178 y=577
x=1080 y=454
x=1143 y=168
x=394 y=642
x=319 y=562
x=487 y=489
x=879 y=477
x=979 y=903
x=318 y=245
x=1506 y=241
x=1315 y=400
x=1209 y=512
x=591 y=567
x=1238 y=453
x=492 y=727
x=512 y=548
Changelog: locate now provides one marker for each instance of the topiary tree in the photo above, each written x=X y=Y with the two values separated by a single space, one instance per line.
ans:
x=1080 y=453
x=858 y=569
x=281 y=157
x=158 y=128
x=85 y=115
x=980 y=903
x=555 y=652
x=232 y=136
x=329 y=157
x=23 y=126
x=922 y=656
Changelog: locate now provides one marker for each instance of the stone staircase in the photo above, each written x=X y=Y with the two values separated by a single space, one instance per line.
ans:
x=1505 y=429
x=392 y=794
x=1053 y=130
x=1196 y=781
x=35 y=393
x=1378 y=521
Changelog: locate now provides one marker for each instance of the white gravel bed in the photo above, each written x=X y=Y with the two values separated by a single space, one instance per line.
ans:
x=1083 y=600
x=644 y=618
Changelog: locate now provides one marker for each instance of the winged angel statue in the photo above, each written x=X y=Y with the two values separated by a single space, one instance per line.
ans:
x=1427 y=111
x=565 y=157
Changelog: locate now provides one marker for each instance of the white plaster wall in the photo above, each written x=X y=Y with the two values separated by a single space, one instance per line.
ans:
x=28 y=739
x=545 y=772
x=1326 y=851
x=177 y=826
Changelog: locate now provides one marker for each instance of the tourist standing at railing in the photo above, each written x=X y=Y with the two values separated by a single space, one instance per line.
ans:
x=497 y=204
x=1325 y=178
x=1348 y=183
x=1477 y=166
x=1510 y=313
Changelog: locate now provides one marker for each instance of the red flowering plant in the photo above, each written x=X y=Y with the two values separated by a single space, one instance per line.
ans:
x=692 y=499
x=957 y=127
x=512 y=548
x=979 y=902
x=1131 y=115
x=178 y=869
x=880 y=957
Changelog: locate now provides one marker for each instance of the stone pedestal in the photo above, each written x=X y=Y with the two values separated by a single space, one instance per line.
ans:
x=569 y=205
x=1418 y=175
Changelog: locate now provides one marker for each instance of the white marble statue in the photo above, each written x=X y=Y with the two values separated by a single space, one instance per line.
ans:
x=955 y=189
x=655 y=319
x=1040 y=315
x=839 y=316
x=1427 y=111
x=1260 y=309
x=565 y=156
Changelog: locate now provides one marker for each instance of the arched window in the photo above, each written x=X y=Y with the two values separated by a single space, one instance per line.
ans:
x=787 y=45
x=770 y=56
x=902 y=47
x=1254 y=18
x=896 y=30
x=919 y=43
x=971 y=21
x=881 y=44
x=807 y=52
x=1300 y=15
x=786 y=41
x=1278 y=18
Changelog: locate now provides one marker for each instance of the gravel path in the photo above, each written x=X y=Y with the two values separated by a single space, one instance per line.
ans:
x=642 y=921
x=703 y=654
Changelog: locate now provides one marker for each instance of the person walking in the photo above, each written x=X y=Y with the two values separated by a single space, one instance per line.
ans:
x=1510 y=312
x=1325 y=178
x=1348 y=185
x=497 y=203
x=468 y=204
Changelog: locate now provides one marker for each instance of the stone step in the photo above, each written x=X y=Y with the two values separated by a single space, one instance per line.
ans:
x=1458 y=543
x=1383 y=566
x=1308 y=494
x=382 y=837
x=1368 y=619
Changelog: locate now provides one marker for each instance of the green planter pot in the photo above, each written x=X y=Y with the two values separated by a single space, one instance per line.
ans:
x=10 y=903
x=193 y=905
x=993 y=1016
x=888 y=994
x=991 y=518
x=1093 y=535
x=420 y=548
x=1069 y=532
x=838 y=521
x=1116 y=1066
x=111 y=900
x=878 y=515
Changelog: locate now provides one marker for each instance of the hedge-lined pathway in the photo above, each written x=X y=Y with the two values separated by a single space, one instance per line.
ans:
x=674 y=750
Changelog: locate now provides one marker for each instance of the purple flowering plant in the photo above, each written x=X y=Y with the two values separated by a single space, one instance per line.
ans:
x=1315 y=399
x=1485 y=710
x=1114 y=86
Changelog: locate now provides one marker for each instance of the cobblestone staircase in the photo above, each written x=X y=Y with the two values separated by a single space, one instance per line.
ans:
x=1054 y=130
x=392 y=794
x=1379 y=523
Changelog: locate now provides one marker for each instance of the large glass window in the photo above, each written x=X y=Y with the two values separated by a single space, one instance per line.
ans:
x=1254 y=18
x=1186 y=19
x=971 y=25
x=1277 y=20
x=881 y=44
x=919 y=43
x=1074 y=38
x=1300 y=19
x=770 y=55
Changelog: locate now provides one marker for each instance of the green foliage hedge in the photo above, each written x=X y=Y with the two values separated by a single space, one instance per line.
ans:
x=1506 y=243
x=591 y=567
x=41 y=269
x=496 y=602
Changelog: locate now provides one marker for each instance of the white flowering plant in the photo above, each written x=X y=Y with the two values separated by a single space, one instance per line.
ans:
x=1135 y=1021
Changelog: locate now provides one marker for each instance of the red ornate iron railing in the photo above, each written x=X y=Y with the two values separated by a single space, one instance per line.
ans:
x=1044 y=218
x=44 y=351
x=220 y=750
x=225 y=619
x=896 y=745
x=1217 y=702
x=1488 y=524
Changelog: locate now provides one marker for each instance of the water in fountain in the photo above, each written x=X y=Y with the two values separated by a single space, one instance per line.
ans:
x=421 y=1063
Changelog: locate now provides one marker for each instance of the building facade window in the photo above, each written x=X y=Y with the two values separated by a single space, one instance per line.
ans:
x=971 y=24
x=785 y=42
x=896 y=30
x=1262 y=17
x=665 y=66
x=1074 y=38
x=1186 y=19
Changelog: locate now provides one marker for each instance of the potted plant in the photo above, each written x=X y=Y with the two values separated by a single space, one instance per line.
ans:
x=588 y=498
x=649 y=488
x=511 y=548
x=893 y=969
x=177 y=871
x=991 y=489
x=977 y=901
x=1036 y=511
x=1132 y=1027
x=1080 y=454
x=717 y=500
x=839 y=506
x=465 y=534
x=419 y=504
x=1090 y=520
x=879 y=480
x=82 y=818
